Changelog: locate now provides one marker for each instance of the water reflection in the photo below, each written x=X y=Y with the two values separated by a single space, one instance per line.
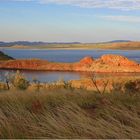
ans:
x=50 y=76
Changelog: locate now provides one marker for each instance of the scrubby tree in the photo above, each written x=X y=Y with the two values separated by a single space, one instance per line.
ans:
x=19 y=81
x=117 y=87
x=94 y=82
x=132 y=87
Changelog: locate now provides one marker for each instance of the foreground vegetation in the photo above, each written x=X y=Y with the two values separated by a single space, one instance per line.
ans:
x=66 y=112
x=69 y=114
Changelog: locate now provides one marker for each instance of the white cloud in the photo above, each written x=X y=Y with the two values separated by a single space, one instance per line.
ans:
x=20 y=0
x=122 y=18
x=111 y=4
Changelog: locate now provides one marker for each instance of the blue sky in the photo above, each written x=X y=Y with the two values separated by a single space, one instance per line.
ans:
x=69 y=20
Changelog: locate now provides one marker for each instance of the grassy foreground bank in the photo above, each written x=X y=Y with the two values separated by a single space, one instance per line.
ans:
x=66 y=113
x=63 y=110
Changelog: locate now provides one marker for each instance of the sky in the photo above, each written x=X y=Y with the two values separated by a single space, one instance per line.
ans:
x=69 y=20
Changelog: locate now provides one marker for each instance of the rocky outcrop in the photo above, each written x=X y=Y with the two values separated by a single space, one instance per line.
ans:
x=87 y=60
x=117 y=60
x=107 y=63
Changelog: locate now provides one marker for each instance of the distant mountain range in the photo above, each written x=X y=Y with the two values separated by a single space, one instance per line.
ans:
x=28 y=43
x=115 y=41
x=119 y=41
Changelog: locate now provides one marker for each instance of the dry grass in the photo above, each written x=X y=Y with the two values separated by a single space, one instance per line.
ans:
x=66 y=113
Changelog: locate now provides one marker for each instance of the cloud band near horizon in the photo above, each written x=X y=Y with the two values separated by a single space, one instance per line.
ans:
x=110 y=4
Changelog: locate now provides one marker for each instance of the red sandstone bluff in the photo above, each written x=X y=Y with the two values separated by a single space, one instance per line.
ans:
x=107 y=63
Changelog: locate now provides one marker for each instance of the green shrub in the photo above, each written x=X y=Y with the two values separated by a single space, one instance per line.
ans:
x=132 y=87
x=19 y=81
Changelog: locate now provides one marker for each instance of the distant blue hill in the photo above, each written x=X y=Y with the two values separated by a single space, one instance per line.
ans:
x=114 y=41
x=118 y=41
x=27 y=43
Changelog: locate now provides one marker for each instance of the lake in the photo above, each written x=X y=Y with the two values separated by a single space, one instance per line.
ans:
x=69 y=55
x=65 y=56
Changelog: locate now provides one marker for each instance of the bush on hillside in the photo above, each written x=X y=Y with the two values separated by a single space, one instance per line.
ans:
x=132 y=87
x=117 y=87
x=19 y=81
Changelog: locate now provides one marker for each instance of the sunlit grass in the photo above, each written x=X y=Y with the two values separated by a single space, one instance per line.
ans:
x=66 y=113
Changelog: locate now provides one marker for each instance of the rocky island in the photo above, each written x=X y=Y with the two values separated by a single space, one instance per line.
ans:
x=106 y=63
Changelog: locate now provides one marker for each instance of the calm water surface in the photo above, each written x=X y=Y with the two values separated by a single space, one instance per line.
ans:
x=65 y=56
x=69 y=55
x=52 y=76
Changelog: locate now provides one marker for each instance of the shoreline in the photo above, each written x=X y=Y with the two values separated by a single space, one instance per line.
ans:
x=84 y=83
x=56 y=49
x=70 y=71
x=130 y=45
x=105 y=64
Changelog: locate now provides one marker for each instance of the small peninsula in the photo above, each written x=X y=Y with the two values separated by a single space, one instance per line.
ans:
x=106 y=63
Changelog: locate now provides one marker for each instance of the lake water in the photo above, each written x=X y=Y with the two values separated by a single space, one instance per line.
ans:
x=69 y=55
x=65 y=56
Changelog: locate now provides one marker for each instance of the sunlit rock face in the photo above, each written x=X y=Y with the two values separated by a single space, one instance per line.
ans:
x=87 y=60
x=24 y=64
x=117 y=60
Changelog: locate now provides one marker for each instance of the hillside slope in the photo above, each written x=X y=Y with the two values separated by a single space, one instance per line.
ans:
x=4 y=56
